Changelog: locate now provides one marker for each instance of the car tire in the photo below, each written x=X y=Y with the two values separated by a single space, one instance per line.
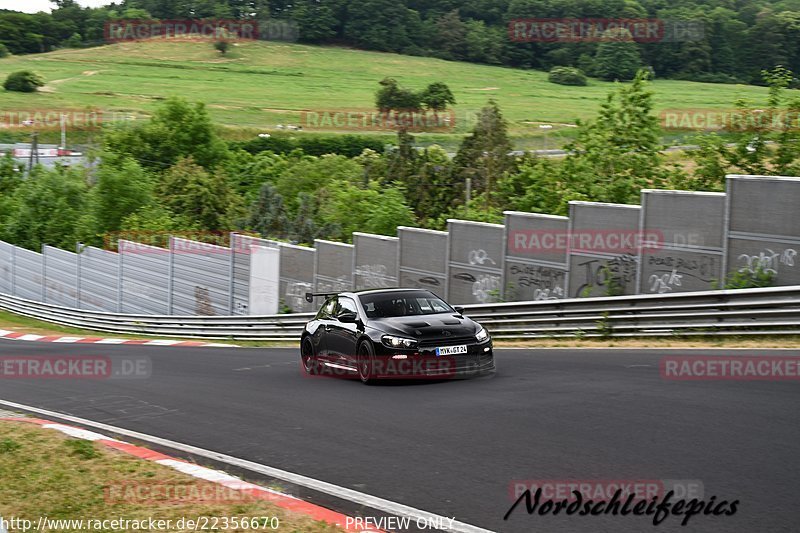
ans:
x=366 y=363
x=308 y=358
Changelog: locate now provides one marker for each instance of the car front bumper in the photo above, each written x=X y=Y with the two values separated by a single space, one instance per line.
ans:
x=424 y=363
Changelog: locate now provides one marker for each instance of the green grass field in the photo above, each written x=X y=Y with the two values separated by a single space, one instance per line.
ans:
x=261 y=84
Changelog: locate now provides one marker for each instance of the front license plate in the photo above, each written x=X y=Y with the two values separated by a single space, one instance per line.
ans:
x=451 y=350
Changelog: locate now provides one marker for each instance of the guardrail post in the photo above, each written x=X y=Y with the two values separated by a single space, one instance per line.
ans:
x=120 y=273
x=169 y=275
x=78 y=250
x=44 y=274
x=13 y=270
x=231 y=271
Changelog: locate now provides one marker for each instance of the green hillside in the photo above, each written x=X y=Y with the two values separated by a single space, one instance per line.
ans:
x=262 y=84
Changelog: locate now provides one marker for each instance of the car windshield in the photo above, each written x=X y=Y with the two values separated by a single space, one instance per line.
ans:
x=407 y=303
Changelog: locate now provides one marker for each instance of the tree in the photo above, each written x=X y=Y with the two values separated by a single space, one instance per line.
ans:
x=752 y=130
x=47 y=208
x=248 y=172
x=405 y=103
x=268 y=214
x=122 y=188
x=23 y=81
x=385 y=25
x=313 y=175
x=484 y=155
x=202 y=197
x=158 y=223
x=10 y=174
x=612 y=158
x=391 y=98
x=374 y=209
x=437 y=96
x=484 y=44
x=617 y=154
x=4 y=51
x=428 y=184
x=317 y=21
x=617 y=56
x=450 y=40
x=539 y=187
x=10 y=179
x=74 y=41
x=176 y=130
x=710 y=170
x=304 y=228
x=783 y=113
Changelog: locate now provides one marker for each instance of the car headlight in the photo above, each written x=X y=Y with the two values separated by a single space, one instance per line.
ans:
x=398 y=342
x=482 y=334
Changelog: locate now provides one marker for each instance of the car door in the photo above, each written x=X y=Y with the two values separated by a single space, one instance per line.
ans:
x=342 y=336
x=320 y=337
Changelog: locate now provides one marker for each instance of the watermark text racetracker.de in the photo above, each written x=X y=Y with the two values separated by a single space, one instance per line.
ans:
x=735 y=120
x=612 y=241
x=194 y=492
x=121 y=30
x=577 y=30
x=398 y=366
x=147 y=242
x=376 y=120
x=730 y=368
x=657 y=499
x=80 y=367
x=89 y=118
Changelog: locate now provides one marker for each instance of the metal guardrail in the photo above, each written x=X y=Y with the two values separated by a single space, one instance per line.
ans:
x=770 y=311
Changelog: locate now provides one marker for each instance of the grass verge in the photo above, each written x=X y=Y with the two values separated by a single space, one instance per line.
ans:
x=46 y=474
x=13 y=322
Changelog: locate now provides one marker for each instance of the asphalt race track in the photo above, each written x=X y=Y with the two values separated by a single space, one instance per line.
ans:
x=457 y=448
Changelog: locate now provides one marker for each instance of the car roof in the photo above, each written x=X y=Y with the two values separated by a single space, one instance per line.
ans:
x=379 y=291
x=353 y=294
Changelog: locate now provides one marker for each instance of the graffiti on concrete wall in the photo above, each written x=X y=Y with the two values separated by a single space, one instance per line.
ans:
x=612 y=276
x=535 y=282
x=767 y=260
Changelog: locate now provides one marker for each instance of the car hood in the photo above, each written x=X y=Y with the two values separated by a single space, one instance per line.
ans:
x=427 y=327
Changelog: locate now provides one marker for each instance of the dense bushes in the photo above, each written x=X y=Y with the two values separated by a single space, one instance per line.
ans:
x=316 y=145
x=23 y=81
x=567 y=76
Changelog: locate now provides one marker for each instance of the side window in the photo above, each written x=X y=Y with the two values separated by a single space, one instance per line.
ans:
x=326 y=311
x=346 y=304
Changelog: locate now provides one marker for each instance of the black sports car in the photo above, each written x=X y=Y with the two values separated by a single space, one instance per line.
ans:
x=393 y=333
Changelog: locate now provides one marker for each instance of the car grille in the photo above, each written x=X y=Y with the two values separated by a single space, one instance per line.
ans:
x=447 y=341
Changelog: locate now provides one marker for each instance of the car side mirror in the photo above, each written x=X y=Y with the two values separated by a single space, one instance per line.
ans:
x=459 y=309
x=348 y=317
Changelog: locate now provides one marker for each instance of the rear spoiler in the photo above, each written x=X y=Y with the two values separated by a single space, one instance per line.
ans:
x=311 y=295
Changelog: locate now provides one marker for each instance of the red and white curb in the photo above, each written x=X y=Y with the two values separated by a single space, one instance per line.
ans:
x=16 y=335
x=258 y=492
